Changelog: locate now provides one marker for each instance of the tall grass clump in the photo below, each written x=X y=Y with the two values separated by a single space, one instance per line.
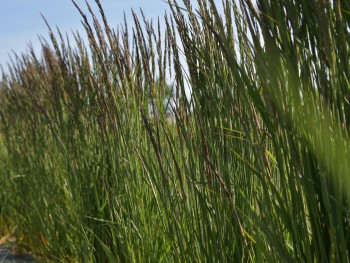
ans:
x=252 y=166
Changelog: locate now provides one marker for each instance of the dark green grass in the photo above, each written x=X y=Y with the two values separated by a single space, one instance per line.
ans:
x=254 y=167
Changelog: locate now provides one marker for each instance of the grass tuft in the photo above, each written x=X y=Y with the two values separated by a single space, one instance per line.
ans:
x=105 y=156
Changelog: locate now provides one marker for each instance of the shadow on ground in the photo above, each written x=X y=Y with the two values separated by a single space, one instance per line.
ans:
x=7 y=257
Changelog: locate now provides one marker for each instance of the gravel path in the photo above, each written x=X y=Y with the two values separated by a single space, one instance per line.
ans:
x=7 y=257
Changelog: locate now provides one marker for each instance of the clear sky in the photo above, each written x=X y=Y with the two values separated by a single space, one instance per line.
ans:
x=21 y=23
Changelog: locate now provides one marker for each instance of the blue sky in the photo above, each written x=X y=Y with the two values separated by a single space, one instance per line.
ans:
x=21 y=23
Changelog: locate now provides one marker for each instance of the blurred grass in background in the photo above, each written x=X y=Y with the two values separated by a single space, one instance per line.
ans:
x=253 y=167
